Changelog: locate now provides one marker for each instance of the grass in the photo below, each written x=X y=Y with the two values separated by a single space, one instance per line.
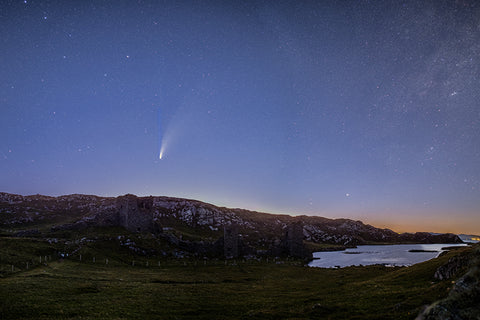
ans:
x=190 y=289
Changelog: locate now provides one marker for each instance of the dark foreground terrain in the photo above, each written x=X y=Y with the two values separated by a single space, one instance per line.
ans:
x=88 y=257
x=107 y=284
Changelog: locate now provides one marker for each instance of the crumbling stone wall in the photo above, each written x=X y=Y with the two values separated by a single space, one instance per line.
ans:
x=135 y=214
x=230 y=241
x=294 y=241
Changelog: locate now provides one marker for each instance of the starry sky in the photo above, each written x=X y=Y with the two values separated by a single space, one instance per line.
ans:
x=361 y=109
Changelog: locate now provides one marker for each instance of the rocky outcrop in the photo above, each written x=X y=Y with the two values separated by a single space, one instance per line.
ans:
x=451 y=268
x=463 y=301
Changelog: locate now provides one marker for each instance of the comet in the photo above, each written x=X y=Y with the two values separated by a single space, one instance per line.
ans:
x=164 y=140
x=160 y=156
x=160 y=138
x=170 y=127
x=164 y=143
x=167 y=134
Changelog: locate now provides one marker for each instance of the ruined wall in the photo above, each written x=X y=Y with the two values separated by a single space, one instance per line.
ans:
x=294 y=240
x=135 y=214
x=230 y=241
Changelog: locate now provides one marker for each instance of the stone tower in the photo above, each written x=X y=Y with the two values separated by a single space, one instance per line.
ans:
x=230 y=241
x=135 y=214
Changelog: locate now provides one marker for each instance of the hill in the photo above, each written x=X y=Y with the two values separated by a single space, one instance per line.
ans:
x=89 y=257
x=183 y=227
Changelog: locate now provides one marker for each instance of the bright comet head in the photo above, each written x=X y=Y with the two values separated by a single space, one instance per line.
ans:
x=162 y=151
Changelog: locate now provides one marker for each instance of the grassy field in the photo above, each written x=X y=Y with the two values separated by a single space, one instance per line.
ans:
x=189 y=289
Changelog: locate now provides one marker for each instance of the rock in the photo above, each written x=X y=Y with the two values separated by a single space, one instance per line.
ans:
x=448 y=270
x=463 y=301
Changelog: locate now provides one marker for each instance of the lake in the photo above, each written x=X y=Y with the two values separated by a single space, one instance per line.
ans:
x=390 y=255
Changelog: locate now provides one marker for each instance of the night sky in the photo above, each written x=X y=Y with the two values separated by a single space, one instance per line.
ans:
x=367 y=110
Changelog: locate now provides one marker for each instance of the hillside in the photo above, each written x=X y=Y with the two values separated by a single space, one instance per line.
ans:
x=185 y=227
x=104 y=281
x=89 y=257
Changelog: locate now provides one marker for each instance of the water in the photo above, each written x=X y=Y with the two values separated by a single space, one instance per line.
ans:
x=390 y=255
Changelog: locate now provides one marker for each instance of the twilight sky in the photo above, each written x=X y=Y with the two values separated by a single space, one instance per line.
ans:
x=367 y=110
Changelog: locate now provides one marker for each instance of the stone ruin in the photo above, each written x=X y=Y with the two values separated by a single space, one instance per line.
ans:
x=230 y=241
x=290 y=245
x=135 y=214
x=293 y=241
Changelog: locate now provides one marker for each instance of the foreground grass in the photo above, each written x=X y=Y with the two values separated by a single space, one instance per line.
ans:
x=250 y=290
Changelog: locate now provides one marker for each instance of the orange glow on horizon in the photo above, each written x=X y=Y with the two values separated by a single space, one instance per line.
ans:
x=419 y=225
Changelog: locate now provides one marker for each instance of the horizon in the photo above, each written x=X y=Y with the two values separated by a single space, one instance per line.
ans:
x=379 y=225
x=337 y=109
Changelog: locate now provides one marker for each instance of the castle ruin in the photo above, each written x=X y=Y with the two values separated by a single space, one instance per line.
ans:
x=230 y=241
x=294 y=240
x=135 y=214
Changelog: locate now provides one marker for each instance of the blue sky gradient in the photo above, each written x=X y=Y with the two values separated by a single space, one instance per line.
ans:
x=360 y=109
